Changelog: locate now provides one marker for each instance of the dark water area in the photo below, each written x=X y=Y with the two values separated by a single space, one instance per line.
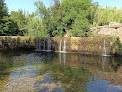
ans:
x=32 y=71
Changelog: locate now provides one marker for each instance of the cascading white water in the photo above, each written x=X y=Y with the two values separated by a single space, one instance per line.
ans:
x=104 y=49
x=60 y=45
x=64 y=48
x=49 y=44
x=38 y=44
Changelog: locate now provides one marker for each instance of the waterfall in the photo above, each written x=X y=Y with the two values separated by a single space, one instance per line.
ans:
x=104 y=49
x=60 y=45
x=49 y=44
x=64 y=48
x=38 y=44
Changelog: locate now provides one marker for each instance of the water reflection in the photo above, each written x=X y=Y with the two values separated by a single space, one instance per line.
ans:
x=27 y=71
x=104 y=62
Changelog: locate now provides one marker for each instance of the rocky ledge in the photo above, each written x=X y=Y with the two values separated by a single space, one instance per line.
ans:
x=113 y=29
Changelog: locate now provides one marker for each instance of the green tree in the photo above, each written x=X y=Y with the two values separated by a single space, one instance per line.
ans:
x=19 y=17
x=34 y=26
x=56 y=19
x=76 y=16
x=52 y=18
x=3 y=13
x=106 y=15
x=69 y=16
x=3 y=10
x=7 y=26
x=44 y=14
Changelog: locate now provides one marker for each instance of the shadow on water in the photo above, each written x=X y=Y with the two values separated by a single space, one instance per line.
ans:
x=59 y=72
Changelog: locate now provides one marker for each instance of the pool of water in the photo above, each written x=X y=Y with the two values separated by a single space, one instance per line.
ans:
x=32 y=71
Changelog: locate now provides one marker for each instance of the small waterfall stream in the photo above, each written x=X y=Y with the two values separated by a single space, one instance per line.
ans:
x=60 y=45
x=104 y=49
x=38 y=44
x=46 y=44
x=49 y=44
x=64 y=48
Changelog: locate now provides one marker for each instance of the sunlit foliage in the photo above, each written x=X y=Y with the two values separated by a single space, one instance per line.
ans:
x=72 y=17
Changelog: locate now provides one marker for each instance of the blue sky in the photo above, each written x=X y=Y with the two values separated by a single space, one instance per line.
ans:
x=28 y=5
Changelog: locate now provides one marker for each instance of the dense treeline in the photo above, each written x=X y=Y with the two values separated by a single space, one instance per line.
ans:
x=73 y=17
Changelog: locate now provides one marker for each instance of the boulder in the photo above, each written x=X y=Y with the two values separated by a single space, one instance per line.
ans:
x=115 y=25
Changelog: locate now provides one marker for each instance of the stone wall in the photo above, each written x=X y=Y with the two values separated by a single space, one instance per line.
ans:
x=84 y=45
x=16 y=42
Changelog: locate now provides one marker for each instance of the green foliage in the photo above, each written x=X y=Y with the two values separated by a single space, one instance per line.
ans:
x=34 y=27
x=3 y=10
x=106 y=15
x=3 y=14
x=68 y=15
x=72 y=17
x=19 y=17
x=51 y=18
x=117 y=44
x=80 y=28
x=7 y=26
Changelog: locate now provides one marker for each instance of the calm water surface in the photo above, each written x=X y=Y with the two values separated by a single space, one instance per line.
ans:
x=31 y=71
